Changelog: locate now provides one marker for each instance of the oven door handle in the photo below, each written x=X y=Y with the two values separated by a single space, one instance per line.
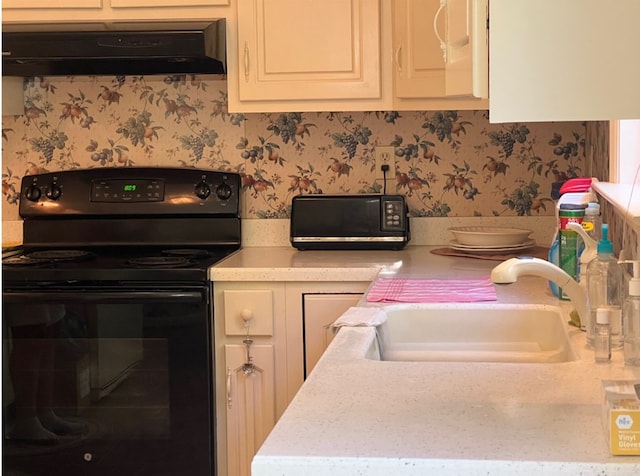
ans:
x=115 y=297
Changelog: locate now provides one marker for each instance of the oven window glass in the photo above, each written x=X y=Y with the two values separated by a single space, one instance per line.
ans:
x=107 y=385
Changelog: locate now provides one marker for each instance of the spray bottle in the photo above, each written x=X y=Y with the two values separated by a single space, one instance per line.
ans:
x=631 y=318
x=589 y=253
x=576 y=192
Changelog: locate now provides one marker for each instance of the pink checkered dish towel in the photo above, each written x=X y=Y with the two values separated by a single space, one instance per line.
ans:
x=432 y=290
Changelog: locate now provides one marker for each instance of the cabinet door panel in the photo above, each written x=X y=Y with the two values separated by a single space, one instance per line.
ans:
x=251 y=409
x=567 y=60
x=419 y=68
x=467 y=59
x=308 y=49
x=320 y=310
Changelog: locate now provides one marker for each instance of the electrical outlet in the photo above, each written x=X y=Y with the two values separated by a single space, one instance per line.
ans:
x=385 y=155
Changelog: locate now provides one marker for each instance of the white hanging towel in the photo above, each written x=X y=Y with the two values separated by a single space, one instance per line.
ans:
x=360 y=317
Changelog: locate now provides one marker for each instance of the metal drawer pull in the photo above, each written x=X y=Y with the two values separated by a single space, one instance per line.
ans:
x=399 y=59
x=246 y=61
x=443 y=44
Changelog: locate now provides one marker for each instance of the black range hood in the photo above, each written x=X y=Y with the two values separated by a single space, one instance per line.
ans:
x=139 y=52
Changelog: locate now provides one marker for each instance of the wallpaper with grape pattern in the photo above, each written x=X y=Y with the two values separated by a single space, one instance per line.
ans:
x=448 y=163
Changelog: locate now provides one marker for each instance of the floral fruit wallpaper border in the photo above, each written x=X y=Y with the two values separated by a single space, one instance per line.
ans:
x=447 y=163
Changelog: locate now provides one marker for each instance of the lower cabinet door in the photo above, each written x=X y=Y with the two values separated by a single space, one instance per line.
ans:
x=320 y=310
x=251 y=409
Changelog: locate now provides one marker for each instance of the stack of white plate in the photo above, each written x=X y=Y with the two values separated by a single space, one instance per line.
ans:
x=490 y=239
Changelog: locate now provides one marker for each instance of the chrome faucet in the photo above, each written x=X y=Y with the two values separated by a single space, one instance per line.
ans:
x=510 y=270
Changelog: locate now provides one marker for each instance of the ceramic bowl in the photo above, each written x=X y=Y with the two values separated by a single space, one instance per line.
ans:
x=490 y=235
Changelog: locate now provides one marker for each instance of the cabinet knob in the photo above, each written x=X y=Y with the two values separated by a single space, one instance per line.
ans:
x=247 y=315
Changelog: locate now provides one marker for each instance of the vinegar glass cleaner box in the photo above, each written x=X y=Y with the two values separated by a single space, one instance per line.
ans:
x=621 y=416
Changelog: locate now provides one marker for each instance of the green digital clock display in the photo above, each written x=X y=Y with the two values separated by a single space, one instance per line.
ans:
x=129 y=187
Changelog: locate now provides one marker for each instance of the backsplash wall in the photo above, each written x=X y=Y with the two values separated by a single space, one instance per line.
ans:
x=448 y=163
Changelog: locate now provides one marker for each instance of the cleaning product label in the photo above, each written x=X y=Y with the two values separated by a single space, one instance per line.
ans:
x=568 y=252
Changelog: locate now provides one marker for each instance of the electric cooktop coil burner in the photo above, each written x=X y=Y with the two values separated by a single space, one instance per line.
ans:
x=187 y=253
x=22 y=260
x=48 y=256
x=61 y=255
x=160 y=261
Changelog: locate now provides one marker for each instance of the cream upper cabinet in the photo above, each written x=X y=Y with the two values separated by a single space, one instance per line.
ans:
x=165 y=3
x=466 y=48
x=78 y=12
x=13 y=4
x=308 y=50
x=419 y=62
x=350 y=55
x=440 y=54
x=566 y=60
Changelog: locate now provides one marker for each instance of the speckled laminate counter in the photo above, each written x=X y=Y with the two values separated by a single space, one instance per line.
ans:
x=287 y=264
x=359 y=416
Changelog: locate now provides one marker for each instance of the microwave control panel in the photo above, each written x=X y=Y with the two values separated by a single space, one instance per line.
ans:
x=393 y=213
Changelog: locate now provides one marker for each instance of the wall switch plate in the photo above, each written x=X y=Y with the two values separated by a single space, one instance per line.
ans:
x=385 y=155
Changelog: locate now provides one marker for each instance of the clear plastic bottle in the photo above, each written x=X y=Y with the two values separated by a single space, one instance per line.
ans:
x=631 y=318
x=592 y=222
x=605 y=283
x=602 y=336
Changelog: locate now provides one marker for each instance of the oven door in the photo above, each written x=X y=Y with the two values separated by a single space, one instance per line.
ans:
x=111 y=381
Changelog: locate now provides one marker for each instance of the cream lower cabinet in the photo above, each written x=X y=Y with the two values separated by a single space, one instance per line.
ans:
x=256 y=380
x=251 y=409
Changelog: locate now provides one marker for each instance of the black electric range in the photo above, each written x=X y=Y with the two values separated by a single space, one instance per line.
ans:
x=129 y=224
x=107 y=321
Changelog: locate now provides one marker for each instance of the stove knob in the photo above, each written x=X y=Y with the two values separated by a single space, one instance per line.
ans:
x=32 y=193
x=54 y=192
x=224 y=191
x=202 y=190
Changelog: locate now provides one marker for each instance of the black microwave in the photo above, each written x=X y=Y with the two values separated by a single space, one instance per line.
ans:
x=349 y=222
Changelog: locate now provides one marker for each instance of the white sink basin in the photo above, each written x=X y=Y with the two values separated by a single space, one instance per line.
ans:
x=475 y=333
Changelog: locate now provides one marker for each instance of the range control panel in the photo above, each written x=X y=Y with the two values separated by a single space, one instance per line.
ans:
x=133 y=190
x=130 y=191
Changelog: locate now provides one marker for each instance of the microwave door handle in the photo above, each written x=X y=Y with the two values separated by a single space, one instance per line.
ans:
x=108 y=297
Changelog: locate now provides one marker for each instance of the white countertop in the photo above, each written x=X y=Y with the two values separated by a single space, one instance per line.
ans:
x=288 y=264
x=356 y=416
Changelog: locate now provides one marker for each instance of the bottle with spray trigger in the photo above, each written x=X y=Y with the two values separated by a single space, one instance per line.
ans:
x=572 y=193
x=589 y=253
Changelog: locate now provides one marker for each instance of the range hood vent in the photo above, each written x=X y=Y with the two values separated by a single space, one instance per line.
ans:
x=139 y=52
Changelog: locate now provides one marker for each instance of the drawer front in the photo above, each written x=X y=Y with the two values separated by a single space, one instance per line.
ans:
x=248 y=307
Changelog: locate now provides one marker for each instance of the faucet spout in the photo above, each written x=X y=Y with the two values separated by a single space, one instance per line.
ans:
x=508 y=272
